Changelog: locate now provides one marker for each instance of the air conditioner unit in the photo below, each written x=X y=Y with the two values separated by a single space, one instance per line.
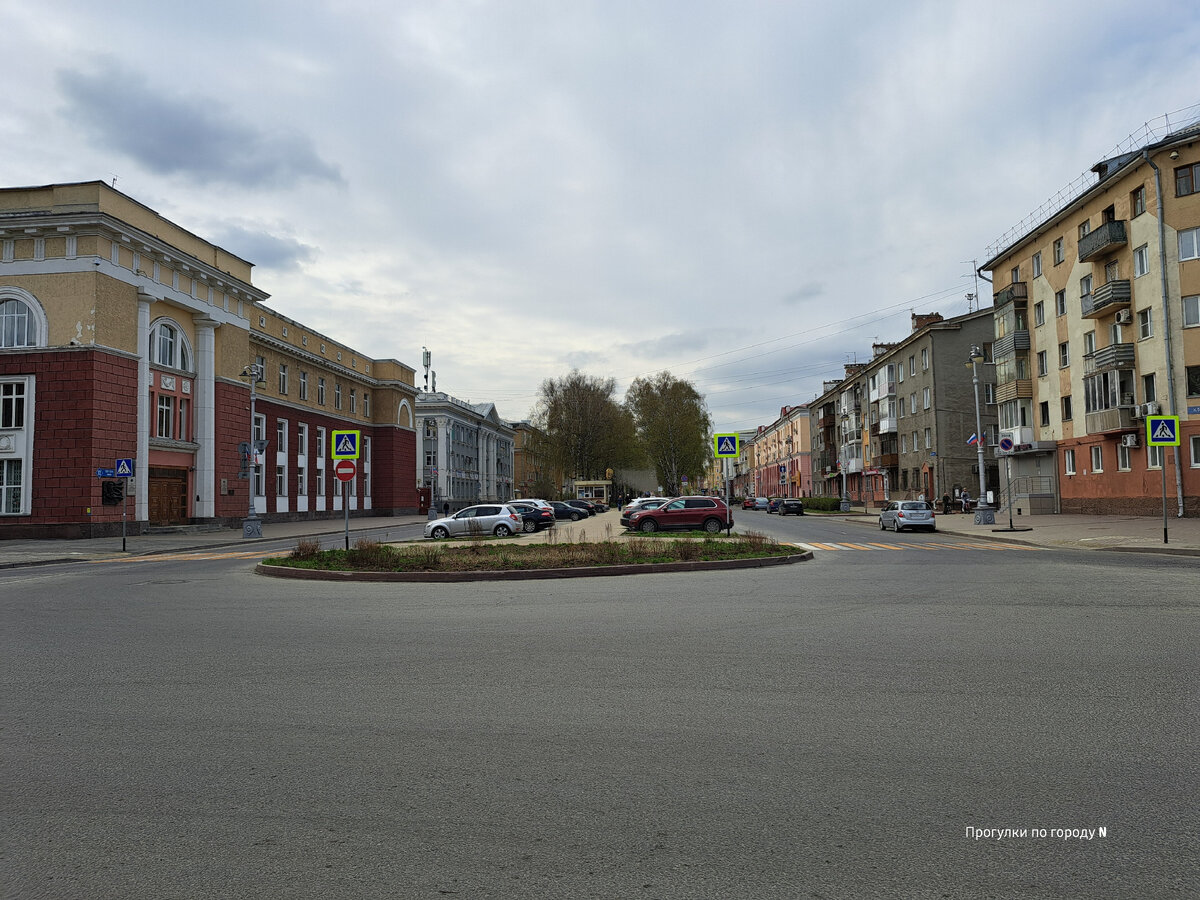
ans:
x=1127 y=399
x=1138 y=412
x=1130 y=440
x=1152 y=409
x=1124 y=317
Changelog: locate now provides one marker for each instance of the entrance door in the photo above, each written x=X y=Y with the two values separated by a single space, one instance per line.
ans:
x=168 y=496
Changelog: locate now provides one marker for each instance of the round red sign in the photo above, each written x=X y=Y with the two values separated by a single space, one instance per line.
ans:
x=345 y=469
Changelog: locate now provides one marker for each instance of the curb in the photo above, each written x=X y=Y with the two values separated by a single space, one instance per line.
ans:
x=530 y=574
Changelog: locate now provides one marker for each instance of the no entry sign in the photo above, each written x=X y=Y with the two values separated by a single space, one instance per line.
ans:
x=345 y=469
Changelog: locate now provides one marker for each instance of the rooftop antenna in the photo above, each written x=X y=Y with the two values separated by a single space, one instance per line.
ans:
x=426 y=358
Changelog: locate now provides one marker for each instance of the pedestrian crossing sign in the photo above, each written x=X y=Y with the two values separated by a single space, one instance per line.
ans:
x=345 y=445
x=1162 y=431
x=726 y=445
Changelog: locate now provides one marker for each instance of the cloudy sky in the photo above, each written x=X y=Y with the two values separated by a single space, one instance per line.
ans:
x=747 y=194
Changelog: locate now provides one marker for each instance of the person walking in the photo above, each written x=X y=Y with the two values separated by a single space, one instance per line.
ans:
x=965 y=498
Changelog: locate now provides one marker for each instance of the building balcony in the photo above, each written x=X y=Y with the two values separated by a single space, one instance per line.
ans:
x=887 y=425
x=887 y=460
x=1018 y=290
x=854 y=466
x=1107 y=237
x=1117 y=418
x=1106 y=298
x=1013 y=390
x=1114 y=356
x=827 y=421
x=1009 y=344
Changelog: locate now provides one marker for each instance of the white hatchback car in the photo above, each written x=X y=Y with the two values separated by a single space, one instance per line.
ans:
x=498 y=519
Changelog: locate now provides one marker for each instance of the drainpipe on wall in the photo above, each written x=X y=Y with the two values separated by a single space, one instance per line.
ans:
x=1166 y=304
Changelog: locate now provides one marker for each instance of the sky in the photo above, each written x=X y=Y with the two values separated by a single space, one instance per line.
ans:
x=745 y=194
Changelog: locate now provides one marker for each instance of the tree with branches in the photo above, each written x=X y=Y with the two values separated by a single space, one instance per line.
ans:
x=673 y=427
x=585 y=430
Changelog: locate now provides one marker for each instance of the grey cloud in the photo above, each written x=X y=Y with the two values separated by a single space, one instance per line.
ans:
x=191 y=136
x=810 y=291
x=269 y=251
x=670 y=344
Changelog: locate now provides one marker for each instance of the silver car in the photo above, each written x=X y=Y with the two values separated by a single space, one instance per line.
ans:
x=491 y=518
x=901 y=514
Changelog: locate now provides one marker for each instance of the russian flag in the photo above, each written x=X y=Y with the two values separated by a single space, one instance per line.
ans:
x=973 y=439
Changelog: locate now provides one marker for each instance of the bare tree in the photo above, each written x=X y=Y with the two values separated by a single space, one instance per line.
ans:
x=585 y=430
x=673 y=427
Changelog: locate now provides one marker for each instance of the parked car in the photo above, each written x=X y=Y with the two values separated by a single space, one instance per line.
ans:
x=761 y=503
x=566 y=511
x=748 y=503
x=684 y=514
x=534 y=518
x=773 y=504
x=640 y=504
x=791 y=506
x=901 y=514
x=498 y=519
x=586 y=505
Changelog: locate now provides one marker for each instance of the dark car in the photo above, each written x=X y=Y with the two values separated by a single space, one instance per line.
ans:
x=773 y=504
x=534 y=518
x=791 y=506
x=684 y=514
x=566 y=511
x=586 y=505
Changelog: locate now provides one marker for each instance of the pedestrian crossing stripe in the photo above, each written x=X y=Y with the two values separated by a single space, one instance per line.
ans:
x=935 y=547
x=345 y=445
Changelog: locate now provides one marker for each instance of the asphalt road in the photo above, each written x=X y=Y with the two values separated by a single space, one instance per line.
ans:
x=187 y=729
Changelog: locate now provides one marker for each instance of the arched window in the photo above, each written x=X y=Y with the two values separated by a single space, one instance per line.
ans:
x=169 y=347
x=18 y=324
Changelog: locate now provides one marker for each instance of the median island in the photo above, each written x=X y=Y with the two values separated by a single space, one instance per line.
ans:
x=487 y=558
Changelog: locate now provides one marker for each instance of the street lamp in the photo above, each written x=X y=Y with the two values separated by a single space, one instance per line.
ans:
x=252 y=524
x=984 y=514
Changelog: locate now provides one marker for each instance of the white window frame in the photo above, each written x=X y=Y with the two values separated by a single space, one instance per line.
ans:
x=1123 y=458
x=1069 y=461
x=1141 y=261
x=1097 y=458
x=1039 y=314
x=926 y=398
x=1064 y=354
x=1194 y=441
x=1189 y=244
x=164 y=414
x=1145 y=324
x=1043 y=368
x=1154 y=456
x=1037 y=265
x=1191 y=311
x=17 y=439
x=180 y=355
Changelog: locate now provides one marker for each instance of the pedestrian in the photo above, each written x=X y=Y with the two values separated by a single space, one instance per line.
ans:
x=965 y=497
x=446 y=509
x=946 y=504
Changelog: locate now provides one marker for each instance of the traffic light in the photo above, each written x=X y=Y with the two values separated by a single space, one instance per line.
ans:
x=111 y=493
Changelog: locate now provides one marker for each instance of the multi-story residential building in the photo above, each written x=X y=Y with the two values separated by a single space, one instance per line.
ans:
x=125 y=337
x=903 y=422
x=783 y=458
x=1097 y=307
x=466 y=451
x=532 y=474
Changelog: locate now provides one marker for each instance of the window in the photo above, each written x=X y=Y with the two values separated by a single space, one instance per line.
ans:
x=1089 y=342
x=912 y=403
x=1085 y=286
x=904 y=443
x=1195 y=442
x=353 y=399
x=1191 y=311
x=1044 y=412
x=281 y=481
x=1149 y=389
x=320 y=458
x=1064 y=354
x=1141 y=261
x=16 y=411
x=1189 y=244
x=320 y=391
x=1137 y=202
x=12 y=404
x=989 y=392
x=1015 y=274
x=1154 y=457
x=259 y=433
x=1123 y=458
x=1193 y=381
x=283 y=379
x=1060 y=303
x=367 y=404
x=1037 y=265
x=912 y=365
x=1112 y=271
x=928 y=438
x=1039 y=313
x=1066 y=408
x=1059 y=254
x=301 y=459
x=925 y=398
x=1145 y=324
x=1043 y=368
x=1097 y=458
x=1085 y=228
x=900 y=408
x=303 y=385
x=281 y=443
x=915 y=445
x=900 y=373
x=925 y=360
x=184 y=431
x=168 y=346
x=1187 y=180
x=166 y=416
x=337 y=396
x=1069 y=461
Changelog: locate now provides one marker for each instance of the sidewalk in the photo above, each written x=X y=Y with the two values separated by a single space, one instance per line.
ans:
x=1128 y=533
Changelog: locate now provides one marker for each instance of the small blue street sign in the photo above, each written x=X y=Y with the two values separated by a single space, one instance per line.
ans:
x=124 y=468
x=106 y=473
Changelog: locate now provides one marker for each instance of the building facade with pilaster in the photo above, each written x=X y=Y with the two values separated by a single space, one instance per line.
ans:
x=467 y=452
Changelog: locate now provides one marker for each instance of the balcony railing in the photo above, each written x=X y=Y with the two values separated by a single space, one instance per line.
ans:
x=1018 y=290
x=887 y=424
x=1103 y=239
x=1009 y=344
x=1105 y=298
x=1117 y=418
x=853 y=466
x=1114 y=356
x=1012 y=390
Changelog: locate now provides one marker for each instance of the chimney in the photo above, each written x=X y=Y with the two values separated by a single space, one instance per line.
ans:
x=921 y=321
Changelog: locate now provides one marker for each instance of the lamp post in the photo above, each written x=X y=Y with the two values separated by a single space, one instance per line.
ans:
x=984 y=514
x=252 y=524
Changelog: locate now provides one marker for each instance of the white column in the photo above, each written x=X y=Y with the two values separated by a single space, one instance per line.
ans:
x=443 y=459
x=206 y=417
x=141 y=474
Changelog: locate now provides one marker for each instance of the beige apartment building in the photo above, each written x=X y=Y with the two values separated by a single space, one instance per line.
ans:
x=1097 y=319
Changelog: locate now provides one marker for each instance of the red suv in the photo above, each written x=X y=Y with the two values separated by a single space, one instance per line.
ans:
x=684 y=514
